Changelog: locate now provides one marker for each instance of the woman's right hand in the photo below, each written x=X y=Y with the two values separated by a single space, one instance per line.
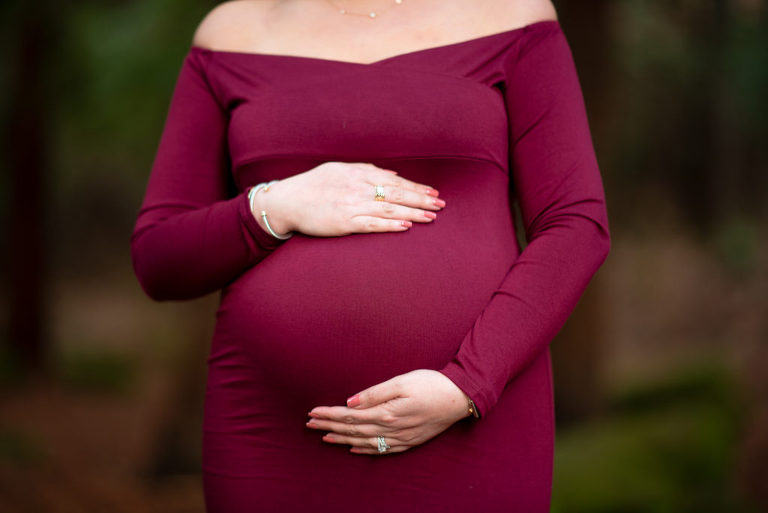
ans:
x=337 y=198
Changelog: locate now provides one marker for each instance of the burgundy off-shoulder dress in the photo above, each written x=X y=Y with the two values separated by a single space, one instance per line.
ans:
x=312 y=320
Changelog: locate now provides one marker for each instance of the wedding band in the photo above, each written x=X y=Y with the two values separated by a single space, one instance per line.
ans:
x=379 y=193
x=383 y=445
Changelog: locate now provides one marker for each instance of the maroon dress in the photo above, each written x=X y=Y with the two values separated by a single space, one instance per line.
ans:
x=312 y=320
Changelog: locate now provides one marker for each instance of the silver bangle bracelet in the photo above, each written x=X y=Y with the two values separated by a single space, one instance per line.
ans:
x=251 y=194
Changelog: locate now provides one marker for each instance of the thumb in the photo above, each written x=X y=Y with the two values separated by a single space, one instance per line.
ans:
x=376 y=394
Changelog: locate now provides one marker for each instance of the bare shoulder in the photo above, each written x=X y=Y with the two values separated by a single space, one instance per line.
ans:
x=538 y=10
x=232 y=23
x=511 y=14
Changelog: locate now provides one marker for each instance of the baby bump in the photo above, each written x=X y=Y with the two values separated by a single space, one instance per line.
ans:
x=345 y=311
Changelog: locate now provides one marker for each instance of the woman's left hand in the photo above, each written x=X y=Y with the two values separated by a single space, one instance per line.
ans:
x=406 y=410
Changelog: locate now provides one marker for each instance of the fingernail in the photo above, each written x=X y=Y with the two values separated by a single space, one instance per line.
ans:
x=355 y=399
x=430 y=215
x=439 y=202
x=407 y=224
x=313 y=414
x=432 y=192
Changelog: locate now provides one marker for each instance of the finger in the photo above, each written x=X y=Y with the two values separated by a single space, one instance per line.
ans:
x=373 y=167
x=367 y=450
x=377 y=224
x=345 y=415
x=394 y=181
x=377 y=394
x=389 y=210
x=402 y=435
x=404 y=195
x=417 y=187
x=342 y=428
x=364 y=443
x=377 y=175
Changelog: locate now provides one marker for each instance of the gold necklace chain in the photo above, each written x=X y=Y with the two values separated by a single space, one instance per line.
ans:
x=370 y=14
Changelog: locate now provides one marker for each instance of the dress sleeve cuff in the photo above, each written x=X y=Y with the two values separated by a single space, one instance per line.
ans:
x=259 y=240
x=455 y=373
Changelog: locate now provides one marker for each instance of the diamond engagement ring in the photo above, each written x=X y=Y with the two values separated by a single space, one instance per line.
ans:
x=383 y=445
x=379 y=193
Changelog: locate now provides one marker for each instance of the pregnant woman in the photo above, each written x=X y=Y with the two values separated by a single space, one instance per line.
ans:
x=381 y=341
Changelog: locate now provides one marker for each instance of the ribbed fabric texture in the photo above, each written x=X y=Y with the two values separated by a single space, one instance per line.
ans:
x=309 y=321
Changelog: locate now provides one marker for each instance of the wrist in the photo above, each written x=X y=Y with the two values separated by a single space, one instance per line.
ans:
x=463 y=409
x=272 y=202
x=470 y=410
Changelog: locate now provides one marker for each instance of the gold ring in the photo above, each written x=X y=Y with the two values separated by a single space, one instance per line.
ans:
x=379 y=193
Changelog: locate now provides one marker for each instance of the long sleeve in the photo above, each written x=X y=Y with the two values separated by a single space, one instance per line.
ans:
x=191 y=237
x=560 y=192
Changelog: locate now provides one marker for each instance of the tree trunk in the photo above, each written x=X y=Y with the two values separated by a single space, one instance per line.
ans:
x=27 y=151
x=577 y=350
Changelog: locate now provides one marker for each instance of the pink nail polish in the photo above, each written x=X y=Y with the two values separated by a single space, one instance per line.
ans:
x=439 y=202
x=353 y=401
x=430 y=215
x=432 y=192
x=407 y=224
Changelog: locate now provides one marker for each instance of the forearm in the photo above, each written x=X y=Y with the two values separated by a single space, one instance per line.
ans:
x=180 y=254
x=191 y=237
x=529 y=308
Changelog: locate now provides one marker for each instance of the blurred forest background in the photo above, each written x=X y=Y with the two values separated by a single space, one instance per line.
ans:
x=661 y=373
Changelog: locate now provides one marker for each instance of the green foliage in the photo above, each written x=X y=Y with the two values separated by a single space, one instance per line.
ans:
x=698 y=383
x=110 y=88
x=11 y=368
x=664 y=447
x=99 y=371
x=744 y=61
x=689 y=82
x=735 y=242
x=19 y=448
x=118 y=67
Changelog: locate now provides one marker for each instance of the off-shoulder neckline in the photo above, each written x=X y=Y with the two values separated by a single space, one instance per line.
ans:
x=454 y=45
